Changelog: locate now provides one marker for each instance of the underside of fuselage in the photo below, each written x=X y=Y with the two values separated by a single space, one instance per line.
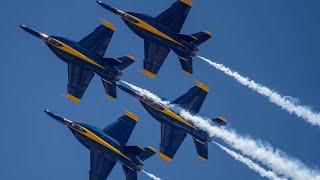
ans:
x=164 y=118
x=92 y=145
x=104 y=71
x=152 y=31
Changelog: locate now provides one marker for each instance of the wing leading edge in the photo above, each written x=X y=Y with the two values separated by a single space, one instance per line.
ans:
x=98 y=41
x=193 y=99
x=121 y=130
x=175 y=16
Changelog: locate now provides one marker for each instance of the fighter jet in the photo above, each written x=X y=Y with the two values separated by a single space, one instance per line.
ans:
x=162 y=34
x=108 y=146
x=174 y=128
x=85 y=58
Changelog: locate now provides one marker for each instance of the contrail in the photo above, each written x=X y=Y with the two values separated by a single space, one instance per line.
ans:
x=151 y=175
x=251 y=165
x=287 y=103
x=275 y=159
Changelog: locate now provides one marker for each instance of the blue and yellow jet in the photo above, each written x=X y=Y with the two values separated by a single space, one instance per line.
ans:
x=174 y=128
x=108 y=146
x=162 y=34
x=85 y=58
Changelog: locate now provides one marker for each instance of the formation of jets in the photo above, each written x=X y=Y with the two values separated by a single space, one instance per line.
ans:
x=86 y=58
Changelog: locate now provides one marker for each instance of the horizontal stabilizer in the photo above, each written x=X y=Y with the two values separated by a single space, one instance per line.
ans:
x=110 y=87
x=220 y=121
x=201 y=37
x=188 y=38
x=202 y=149
x=147 y=153
x=121 y=63
x=133 y=150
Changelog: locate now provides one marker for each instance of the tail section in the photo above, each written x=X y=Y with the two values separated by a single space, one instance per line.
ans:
x=141 y=153
x=201 y=37
x=121 y=63
x=202 y=149
x=220 y=121
x=147 y=153
x=129 y=173
x=110 y=87
x=196 y=38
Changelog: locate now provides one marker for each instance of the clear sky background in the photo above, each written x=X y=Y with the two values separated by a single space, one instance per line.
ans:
x=273 y=42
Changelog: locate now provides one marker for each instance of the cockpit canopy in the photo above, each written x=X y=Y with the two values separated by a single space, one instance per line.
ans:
x=76 y=127
x=51 y=41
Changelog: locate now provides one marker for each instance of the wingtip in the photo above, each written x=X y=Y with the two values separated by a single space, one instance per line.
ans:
x=186 y=73
x=207 y=32
x=152 y=149
x=72 y=98
x=164 y=157
x=202 y=158
x=202 y=86
x=148 y=73
x=107 y=24
x=187 y=2
x=111 y=98
x=131 y=115
x=223 y=119
x=131 y=57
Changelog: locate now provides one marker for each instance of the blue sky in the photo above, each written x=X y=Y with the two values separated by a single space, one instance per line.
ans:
x=273 y=42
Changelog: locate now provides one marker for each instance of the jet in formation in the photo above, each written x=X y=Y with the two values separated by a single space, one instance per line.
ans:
x=85 y=58
x=174 y=128
x=108 y=146
x=162 y=34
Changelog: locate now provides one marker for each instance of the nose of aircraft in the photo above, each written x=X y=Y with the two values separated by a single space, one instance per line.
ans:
x=112 y=9
x=33 y=32
x=55 y=116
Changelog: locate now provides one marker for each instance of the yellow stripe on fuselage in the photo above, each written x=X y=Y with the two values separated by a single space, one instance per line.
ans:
x=153 y=30
x=176 y=117
x=97 y=139
x=75 y=53
x=168 y=112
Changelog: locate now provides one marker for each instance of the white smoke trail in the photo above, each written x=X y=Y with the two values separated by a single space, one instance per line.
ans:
x=287 y=103
x=151 y=175
x=251 y=165
x=275 y=159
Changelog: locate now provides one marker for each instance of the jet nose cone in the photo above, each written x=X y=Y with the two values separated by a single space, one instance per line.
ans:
x=55 y=116
x=112 y=9
x=31 y=31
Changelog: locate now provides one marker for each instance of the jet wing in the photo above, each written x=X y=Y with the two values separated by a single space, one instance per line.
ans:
x=193 y=99
x=98 y=41
x=174 y=17
x=154 y=58
x=78 y=81
x=121 y=130
x=100 y=166
x=171 y=139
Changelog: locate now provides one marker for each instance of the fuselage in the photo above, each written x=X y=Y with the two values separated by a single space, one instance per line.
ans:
x=94 y=139
x=167 y=116
x=70 y=51
x=147 y=28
